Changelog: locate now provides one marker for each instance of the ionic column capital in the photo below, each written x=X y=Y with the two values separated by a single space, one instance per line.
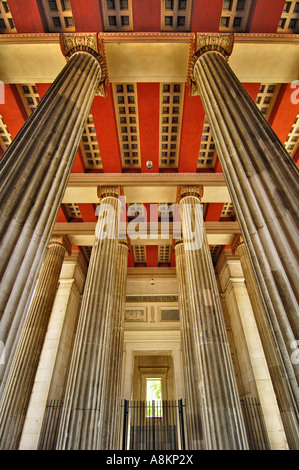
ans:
x=194 y=190
x=209 y=42
x=71 y=43
x=178 y=248
x=125 y=242
x=177 y=243
x=220 y=42
x=108 y=191
x=61 y=241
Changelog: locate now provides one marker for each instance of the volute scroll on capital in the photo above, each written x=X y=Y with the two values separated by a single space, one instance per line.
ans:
x=238 y=241
x=176 y=243
x=209 y=42
x=62 y=241
x=70 y=43
x=125 y=242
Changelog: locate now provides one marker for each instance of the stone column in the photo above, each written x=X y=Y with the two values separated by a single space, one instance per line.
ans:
x=49 y=379
x=287 y=406
x=263 y=183
x=34 y=174
x=250 y=361
x=85 y=390
x=220 y=411
x=109 y=422
x=190 y=360
x=17 y=390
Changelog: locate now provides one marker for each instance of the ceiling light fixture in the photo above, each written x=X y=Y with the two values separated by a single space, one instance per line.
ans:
x=149 y=165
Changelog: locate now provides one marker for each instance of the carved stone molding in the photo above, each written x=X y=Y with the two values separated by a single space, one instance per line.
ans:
x=221 y=42
x=190 y=190
x=71 y=43
x=108 y=191
x=152 y=298
x=207 y=42
x=146 y=179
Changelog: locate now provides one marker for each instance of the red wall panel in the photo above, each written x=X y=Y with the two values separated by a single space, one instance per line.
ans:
x=192 y=125
x=265 y=16
x=146 y=15
x=12 y=111
x=87 y=15
x=206 y=15
x=106 y=129
x=27 y=16
x=148 y=107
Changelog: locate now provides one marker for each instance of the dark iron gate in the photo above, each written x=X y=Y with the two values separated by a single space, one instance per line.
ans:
x=155 y=425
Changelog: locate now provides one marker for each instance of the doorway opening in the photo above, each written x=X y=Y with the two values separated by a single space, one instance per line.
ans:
x=153 y=418
x=154 y=398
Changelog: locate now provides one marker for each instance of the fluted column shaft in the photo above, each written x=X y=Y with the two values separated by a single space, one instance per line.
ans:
x=263 y=183
x=284 y=396
x=79 y=424
x=109 y=422
x=17 y=390
x=190 y=360
x=34 y=174
x=220 y=413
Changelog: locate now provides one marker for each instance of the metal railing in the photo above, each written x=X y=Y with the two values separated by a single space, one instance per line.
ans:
x=154 y=425
x=157 y=425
